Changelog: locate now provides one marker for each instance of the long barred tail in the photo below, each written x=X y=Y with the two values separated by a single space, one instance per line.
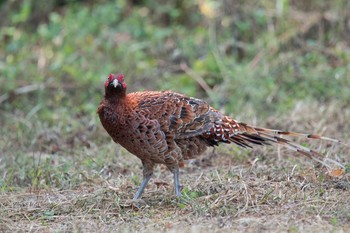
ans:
x=262 y=136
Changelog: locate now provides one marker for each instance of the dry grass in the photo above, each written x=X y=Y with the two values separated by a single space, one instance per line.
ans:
x=227 y=190
x=235 y=198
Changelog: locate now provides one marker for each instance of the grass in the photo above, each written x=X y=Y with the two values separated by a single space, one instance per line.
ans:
x=282 y=66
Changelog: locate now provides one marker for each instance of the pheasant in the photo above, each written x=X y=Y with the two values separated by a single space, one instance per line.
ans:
x=164 y=127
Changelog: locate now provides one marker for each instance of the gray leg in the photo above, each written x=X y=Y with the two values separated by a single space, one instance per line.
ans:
x=147 y=174
x=139 y=192
x=176 y=181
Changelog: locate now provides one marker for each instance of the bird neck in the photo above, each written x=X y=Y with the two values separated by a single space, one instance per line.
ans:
x=115 y=96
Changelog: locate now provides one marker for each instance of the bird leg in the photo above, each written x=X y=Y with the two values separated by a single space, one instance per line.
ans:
x=142 y=187
x=177 y=187
x=147 y=174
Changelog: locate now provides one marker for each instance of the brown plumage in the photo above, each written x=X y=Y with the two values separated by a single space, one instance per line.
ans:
x=168 y=128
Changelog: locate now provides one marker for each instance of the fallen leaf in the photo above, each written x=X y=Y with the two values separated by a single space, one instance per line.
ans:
x=337 y=173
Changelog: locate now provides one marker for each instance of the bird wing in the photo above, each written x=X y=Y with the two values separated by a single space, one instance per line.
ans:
x=192 y=117
x=183 y=116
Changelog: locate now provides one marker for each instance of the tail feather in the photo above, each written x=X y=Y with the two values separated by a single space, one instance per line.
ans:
x=291 y=145
x=294 y=134
x=255 y=139
x=263 y=136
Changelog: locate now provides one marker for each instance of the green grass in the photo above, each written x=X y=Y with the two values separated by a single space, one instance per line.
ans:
x=275 y=64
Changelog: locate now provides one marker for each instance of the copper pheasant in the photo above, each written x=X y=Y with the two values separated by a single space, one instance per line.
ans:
x=164 y=127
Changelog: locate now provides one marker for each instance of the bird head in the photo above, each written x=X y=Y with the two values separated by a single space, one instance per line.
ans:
x=115 y=85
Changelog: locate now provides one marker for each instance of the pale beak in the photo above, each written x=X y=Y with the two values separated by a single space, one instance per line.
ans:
x=115 y=83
